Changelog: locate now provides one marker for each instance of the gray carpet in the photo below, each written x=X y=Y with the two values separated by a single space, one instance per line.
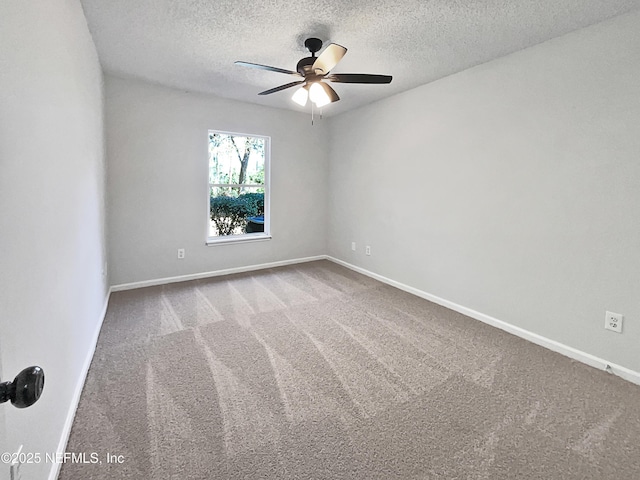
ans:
x=315 y=372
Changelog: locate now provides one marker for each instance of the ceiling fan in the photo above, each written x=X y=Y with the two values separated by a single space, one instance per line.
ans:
x=313 y=70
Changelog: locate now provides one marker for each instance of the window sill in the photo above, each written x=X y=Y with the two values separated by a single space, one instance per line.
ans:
x=246 y=238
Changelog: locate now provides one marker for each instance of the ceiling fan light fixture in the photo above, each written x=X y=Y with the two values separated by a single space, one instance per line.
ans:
x=318 y=95
x=312 y=72
x=300 y=97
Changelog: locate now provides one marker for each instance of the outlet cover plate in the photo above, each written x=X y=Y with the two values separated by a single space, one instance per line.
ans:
x=613 y=322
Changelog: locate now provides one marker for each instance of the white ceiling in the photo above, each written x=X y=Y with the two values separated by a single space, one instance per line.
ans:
x=192 y=44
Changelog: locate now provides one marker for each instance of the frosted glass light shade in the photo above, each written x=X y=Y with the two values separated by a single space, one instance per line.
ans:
x=300 y=97
x=318 y=95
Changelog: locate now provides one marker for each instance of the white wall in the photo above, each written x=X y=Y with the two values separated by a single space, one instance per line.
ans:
x=512 y=188
x=52 y=204
x=157 y=140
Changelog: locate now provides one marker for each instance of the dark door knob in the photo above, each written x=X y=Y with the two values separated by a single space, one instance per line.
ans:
x=26 y=388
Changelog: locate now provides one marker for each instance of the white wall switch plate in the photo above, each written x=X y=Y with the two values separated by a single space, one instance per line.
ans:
x=613 y=321
x=367 y=250
x=181 y=253
x=353 y=246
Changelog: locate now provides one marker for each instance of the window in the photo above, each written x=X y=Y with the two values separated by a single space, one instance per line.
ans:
x=238 y=187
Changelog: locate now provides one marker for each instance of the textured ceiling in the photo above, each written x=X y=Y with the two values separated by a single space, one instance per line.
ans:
x=192 y=44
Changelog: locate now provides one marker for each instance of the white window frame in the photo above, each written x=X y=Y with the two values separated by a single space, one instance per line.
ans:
x=245 y=237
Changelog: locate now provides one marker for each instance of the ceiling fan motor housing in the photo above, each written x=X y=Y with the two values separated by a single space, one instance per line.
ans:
x=313 y=45
x=305 y=62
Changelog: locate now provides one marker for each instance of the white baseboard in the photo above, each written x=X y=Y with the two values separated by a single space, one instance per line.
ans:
x=623 y=372
x=75 y=400
x=215 y=273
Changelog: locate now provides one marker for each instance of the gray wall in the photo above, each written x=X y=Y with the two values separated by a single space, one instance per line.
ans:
x=157 y=140
x=512 y=188
x=52 y=189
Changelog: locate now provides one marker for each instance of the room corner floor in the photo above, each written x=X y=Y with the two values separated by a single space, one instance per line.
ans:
x=313 y=371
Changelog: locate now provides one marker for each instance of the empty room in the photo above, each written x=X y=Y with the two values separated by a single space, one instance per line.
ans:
x=319 y=240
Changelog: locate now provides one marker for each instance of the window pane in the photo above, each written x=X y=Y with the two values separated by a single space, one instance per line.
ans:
x=236 y=210
x=236 y=159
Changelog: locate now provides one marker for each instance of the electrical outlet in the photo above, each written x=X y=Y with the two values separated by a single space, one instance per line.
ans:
x=613 y=321
x=181 y=253
x=367 y=250
x=353 y=246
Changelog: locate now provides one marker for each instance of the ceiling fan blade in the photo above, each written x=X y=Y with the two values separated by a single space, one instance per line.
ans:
x=358 y=78
x=329 y=58
x=330 y=91
x=281 y=87
x=267 y=67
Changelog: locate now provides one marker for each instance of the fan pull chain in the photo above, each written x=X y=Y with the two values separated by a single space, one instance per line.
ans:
x=312 y=111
